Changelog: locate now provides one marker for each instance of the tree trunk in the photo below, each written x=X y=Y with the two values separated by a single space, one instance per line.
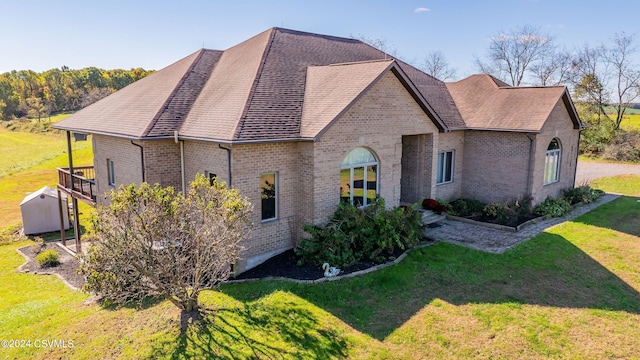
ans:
x=191 y=305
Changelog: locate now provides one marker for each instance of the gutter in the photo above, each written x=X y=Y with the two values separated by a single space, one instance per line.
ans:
x=141 y=158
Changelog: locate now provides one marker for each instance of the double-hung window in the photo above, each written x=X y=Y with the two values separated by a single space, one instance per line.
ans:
x=445 y=167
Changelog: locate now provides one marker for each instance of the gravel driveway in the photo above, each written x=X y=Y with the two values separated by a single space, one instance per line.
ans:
x=588 y=171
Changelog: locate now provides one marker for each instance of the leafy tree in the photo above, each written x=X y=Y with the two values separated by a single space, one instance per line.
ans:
x=152 y=241
x=35 y=108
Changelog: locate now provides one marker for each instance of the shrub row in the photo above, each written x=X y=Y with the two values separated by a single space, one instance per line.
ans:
x=355 y=234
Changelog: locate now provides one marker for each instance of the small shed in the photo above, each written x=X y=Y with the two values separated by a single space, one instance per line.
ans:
x=41 y=212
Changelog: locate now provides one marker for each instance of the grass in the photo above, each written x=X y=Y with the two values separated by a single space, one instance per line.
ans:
x=571 y=292
x=31 y=165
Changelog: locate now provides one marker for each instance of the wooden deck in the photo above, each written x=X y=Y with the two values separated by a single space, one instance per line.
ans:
x=81 y=184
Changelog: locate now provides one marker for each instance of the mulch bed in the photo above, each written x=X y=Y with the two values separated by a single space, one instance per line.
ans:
x=66 y=270
x=285 y=266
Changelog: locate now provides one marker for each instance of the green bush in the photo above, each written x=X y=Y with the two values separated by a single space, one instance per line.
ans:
x=48 y=258
x=624 y=146
x=465 y=207
x=503 y=213
x=354 y=234
x=582 y=194
x=551 y=208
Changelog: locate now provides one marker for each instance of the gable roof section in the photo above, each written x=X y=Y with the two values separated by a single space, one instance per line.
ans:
x=139 y=109
x=487 y=104
x=216 y=112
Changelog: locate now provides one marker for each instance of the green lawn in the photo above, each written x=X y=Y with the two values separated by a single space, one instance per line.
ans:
x=30 y=164
x=571 y=292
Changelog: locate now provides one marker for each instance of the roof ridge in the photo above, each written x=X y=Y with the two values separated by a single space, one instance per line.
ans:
x=360 y=62
x=240 y=125
x=171 y=96
x=328 y=37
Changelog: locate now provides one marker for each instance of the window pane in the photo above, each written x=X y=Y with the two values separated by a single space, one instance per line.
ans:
x=345 y=185
x=439 y=177
x=269 y=189
x=358 y=156
x=358 y=186
x=372 y=177
x=448 y=169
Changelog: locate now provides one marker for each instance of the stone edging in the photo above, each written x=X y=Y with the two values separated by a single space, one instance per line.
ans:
x=495 y=226
x=27 y=259
x=339 y=277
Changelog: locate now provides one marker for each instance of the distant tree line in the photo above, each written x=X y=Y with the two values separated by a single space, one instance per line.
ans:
x=33 y=94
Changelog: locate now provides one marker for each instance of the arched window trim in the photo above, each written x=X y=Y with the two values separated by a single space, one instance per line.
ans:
x=365 y=165
x=552 y=162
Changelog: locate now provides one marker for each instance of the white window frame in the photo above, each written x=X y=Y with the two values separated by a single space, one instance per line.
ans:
x=552 y=166
x=441 y=169
x=364 y=165
x=277 y=196
x=111 y=174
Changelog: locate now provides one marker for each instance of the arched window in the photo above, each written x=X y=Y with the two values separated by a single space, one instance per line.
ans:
x=359 y=177
x=552 y=162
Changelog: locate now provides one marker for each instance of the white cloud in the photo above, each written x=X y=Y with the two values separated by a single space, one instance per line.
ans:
x=421 y=9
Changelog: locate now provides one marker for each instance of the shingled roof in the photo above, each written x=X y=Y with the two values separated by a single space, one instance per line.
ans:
x=487 y=103
x=254 y=91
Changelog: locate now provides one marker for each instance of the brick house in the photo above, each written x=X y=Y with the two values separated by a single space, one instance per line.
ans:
x=298 y=122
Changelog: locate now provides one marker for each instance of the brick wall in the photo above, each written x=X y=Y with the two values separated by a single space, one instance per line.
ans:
x=558 y=126
x=202 y=157
x=377 y=121
x=126 y=162
x=248 y=163
x=162 y=163
x=496 y=165
x=452 y=141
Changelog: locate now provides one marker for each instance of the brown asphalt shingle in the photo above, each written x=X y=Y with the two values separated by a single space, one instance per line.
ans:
x=488 y=103
x=252 y=91
x=278 y=85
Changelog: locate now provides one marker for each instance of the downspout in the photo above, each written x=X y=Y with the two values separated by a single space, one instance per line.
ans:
x=141 y=158
x=529 y=179
x=182 y=178
x=575 y=171
x=228 y=162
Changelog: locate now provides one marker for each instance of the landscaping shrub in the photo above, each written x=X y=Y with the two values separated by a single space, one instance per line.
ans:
x=430 y=204
x=503 y=213
x=48 y=258
x=624 y=146
x=582 y=194
x=551 y=208
x=355 y=234
x=465 y=207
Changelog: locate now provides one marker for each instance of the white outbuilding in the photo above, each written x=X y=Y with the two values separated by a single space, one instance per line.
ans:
x=41 y=211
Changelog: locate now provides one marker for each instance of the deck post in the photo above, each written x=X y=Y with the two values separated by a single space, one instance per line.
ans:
x=76 y=224
x=63 y=236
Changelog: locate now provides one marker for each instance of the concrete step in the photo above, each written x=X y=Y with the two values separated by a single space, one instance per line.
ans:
x=429 y=217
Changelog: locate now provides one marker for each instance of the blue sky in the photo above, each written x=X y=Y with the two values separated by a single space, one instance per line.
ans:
x=41 y=35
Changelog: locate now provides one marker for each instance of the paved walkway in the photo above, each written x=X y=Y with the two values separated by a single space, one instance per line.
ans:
x=497 y=241
x=587 y=171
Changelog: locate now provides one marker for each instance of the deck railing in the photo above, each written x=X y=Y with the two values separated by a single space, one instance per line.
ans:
x=80 y=184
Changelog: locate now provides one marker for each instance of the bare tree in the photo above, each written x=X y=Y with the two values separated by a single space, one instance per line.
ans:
x=436 y=65
x=512 y=54
x=553 y=69
x=624 y=74
x=606 y=75
x=380 y=43
x=152 y=241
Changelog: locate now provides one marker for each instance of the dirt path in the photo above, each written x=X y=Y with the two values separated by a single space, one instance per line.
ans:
x=588 y=171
